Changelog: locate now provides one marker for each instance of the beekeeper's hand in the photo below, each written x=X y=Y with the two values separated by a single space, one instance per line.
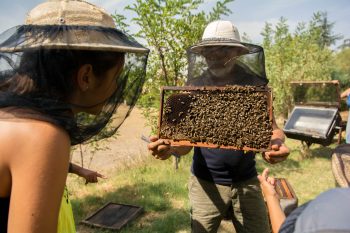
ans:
x=159 y=148
x=278 y=153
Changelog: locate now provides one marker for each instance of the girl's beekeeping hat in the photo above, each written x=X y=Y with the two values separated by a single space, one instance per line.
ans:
x=55 y=37
x=71 y=24
x=220 y=33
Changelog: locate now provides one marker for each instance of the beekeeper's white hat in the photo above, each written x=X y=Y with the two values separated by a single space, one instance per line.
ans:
x=220 y=33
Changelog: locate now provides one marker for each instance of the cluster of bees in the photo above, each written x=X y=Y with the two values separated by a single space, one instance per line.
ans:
x=236 y=116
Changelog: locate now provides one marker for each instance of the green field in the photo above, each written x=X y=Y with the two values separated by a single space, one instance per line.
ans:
x=162 y=191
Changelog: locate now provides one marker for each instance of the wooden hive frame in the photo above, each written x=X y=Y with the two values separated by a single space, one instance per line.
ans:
x=164 y=89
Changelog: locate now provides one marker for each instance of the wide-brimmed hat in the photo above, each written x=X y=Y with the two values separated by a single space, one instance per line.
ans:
x=220 y=33
x=78 y=24
x=341 y=165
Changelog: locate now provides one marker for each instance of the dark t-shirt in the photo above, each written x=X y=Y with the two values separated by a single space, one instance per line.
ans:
x=4 y=211
x=224 y=166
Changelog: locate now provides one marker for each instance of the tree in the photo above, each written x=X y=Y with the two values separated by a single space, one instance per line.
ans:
x=342 y=67
x=295 y=56
x=169 y=28
x=327 y=37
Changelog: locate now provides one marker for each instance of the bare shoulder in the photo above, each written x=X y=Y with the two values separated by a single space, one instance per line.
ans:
x=32 y=137
x=45 y=132
x=34 y=129
x=38 y=156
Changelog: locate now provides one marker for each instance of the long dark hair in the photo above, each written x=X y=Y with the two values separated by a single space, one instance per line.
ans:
x=50 y=72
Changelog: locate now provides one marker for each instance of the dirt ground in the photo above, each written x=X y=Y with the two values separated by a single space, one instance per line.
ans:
x=125 y=148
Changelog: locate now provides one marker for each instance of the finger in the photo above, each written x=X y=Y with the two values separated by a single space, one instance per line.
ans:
x=166 y=142
x=99 y=175
x=281 y=152
x=271 y=180
x=265 y=157
x=153 y=138
x=155 y=145
x=163 y=148
x=275 y=147
x=158 y=156
x=271 y=159
x=277 y=155
x=160 y=153
x=271 y=153
x=278 y=160
x=265 y=173
x=261 y=179
x=164 y=157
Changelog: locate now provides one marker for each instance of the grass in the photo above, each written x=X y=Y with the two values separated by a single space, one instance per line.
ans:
x=162 y=191
x=308 y=176
x=153 y=184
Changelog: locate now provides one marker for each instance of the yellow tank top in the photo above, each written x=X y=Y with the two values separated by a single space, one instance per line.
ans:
x=66 y=219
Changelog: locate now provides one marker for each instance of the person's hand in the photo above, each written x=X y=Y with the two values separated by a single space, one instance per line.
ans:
x=267 y=184
x=345 y=93
x=159 y=148
x=278 y=153
x=90 y=176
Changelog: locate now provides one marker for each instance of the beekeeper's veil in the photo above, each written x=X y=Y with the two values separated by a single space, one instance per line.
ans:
x=221 y=59
x=38 y=59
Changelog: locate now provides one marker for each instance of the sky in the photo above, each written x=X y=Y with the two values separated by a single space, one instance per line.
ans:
x=249 y=16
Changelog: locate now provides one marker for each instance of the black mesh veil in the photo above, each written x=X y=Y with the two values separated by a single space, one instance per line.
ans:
x=212 y=63
x=37 y=63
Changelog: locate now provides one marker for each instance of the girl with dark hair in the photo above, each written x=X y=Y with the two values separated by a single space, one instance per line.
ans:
x=65 y=75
